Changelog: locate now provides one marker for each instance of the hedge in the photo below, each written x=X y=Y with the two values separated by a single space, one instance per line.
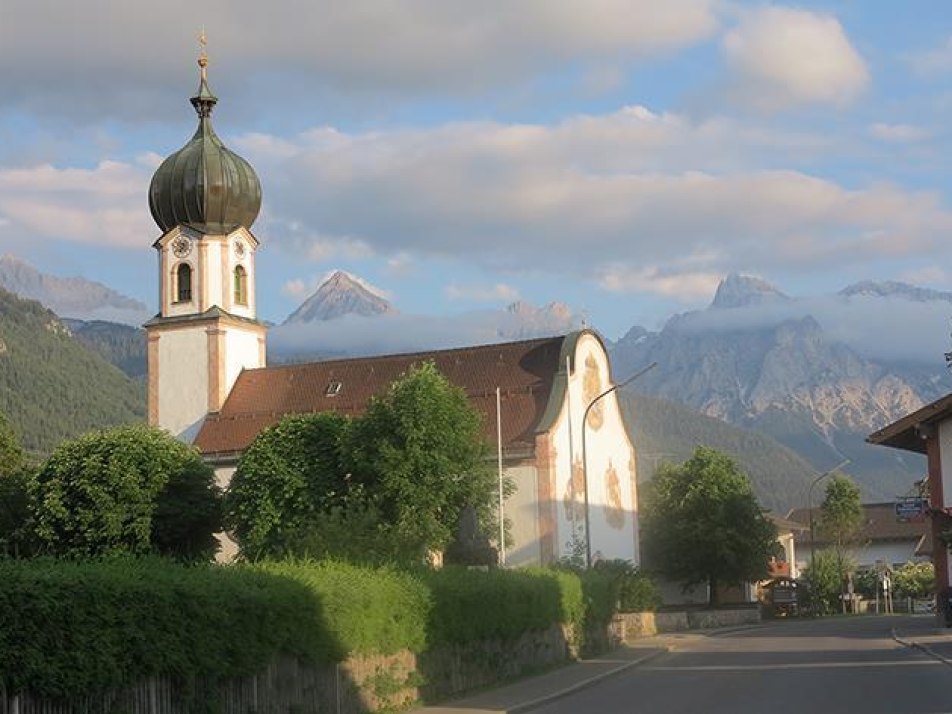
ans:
x=70 y=628
x=74 y=628
x=471 y=605
x=367 y=610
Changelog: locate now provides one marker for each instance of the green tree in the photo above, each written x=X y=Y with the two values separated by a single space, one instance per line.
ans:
x=841 y=518
x=126 y=490
x=915 y=580
x=702 y=523
x=841 y=513
x=419 y=452
x=292 y=472
x=15 y=476
x=387 y=486
x=12 y=458
x=824 y=577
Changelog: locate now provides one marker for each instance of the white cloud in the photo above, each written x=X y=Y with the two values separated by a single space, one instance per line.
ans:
x=917 y=331
x=684 y=287
x=599 y=197
x=930 y=275
x=483 y=293
x=296 y=288
x=898 y=132
x=102 y=205
x=784 y=57
x=934 y=61
x=394 y=47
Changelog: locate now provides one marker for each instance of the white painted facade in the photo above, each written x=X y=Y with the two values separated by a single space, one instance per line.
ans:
x=610 y=465
x=206 y=331
x=522 y=511
x=182 y=393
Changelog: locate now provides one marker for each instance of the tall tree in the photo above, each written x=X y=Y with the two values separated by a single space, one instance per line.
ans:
x=841 y=518
x=841 y=513
x=126 y=490
x=419 y=451
x=702 y=523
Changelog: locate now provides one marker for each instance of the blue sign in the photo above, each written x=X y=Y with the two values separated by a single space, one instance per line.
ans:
x=910 y=508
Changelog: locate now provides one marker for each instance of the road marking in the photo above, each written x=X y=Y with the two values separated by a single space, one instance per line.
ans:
x=798 y=665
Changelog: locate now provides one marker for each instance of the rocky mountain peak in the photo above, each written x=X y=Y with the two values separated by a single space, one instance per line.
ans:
x=69 y=297
x=738 y=290
x=341 y=294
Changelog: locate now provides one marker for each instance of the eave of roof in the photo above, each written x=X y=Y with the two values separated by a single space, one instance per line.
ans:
x=906 y=433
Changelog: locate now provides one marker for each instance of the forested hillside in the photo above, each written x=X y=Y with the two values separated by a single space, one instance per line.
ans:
x=121 y=345
x=53 y=387
x=665 y=431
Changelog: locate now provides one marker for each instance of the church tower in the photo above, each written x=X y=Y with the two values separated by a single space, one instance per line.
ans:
x=204 y=199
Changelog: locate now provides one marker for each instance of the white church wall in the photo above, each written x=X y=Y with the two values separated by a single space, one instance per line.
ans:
x=522 y=511
x=183 y=386
x=612 y=494
x=241 y=351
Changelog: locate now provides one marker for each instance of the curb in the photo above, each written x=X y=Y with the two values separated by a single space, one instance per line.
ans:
x=539 y=701
x=925 y=649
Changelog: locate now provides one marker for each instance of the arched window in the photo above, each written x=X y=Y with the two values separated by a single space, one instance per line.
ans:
x=241 y=285
x=183 y=283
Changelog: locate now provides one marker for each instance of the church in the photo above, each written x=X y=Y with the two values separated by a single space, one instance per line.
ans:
x=548 y=405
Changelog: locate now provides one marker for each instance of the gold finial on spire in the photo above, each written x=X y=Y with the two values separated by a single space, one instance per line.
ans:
x=203 y=55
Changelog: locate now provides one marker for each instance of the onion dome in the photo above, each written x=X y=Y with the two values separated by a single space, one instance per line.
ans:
x=203 y=185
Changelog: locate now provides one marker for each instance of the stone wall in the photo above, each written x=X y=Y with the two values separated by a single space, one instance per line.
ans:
x=633 y=625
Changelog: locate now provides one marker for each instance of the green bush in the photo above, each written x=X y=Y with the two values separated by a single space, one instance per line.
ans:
x=368 y=610
x=472 y=605
x=69 y=629
x=638 y=593
x=132 y=490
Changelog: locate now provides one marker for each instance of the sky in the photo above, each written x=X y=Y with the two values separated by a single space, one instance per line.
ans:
x=620 y=156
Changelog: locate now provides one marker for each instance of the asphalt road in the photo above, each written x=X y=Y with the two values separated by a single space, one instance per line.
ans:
x=802 y=667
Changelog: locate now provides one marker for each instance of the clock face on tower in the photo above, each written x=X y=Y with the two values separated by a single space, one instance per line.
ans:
x=181 y=247
x=239 y=248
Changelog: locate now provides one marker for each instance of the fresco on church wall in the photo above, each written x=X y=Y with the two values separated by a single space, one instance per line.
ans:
x=611 y=490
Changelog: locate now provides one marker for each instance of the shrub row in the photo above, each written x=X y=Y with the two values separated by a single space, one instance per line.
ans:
x=71 y=628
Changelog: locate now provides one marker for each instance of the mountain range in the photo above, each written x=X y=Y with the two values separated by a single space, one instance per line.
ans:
x=814 y=374
x=763 y=361
x=74 y=297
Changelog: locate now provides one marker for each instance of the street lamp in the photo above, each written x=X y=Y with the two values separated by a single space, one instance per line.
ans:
x=810 y=504
x=588 y=529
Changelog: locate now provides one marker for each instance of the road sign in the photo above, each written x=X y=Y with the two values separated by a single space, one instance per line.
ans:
x=911 y=509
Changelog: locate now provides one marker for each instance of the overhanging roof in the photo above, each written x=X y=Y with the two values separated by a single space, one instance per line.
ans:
x=907 y=433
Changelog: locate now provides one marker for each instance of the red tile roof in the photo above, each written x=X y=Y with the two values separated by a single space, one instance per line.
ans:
x=524 y=371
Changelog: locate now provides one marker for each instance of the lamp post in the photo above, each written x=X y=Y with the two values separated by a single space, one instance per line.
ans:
x=810 y=504
x=588 y=529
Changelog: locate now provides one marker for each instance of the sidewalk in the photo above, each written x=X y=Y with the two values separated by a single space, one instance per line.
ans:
x=930 y=638
x=534 y=691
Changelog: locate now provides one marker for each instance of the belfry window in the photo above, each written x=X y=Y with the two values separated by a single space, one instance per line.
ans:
x=241 y=285
x=183 y=283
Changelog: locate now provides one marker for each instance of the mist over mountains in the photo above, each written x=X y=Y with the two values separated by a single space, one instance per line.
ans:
x=816 y=374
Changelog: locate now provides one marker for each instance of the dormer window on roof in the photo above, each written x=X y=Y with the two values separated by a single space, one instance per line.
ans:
x=333 y=389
